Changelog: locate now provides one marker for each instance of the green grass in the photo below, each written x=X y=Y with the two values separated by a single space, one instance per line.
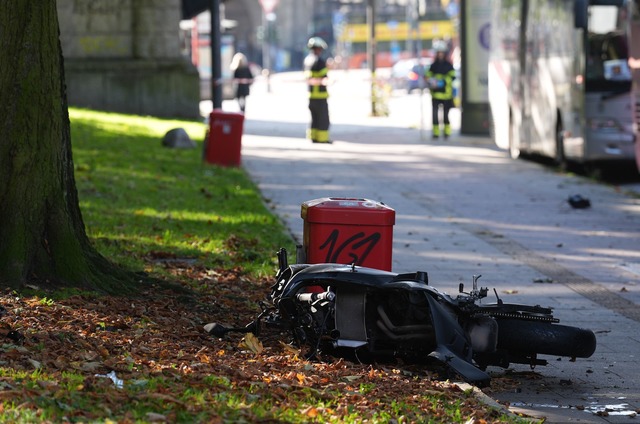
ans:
x=140 y=199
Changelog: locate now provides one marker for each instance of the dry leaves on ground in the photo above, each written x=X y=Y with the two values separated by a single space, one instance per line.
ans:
x=116 y=341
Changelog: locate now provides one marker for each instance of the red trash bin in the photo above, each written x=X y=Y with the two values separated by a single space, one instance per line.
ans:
x=348 y=230
x=224 y=138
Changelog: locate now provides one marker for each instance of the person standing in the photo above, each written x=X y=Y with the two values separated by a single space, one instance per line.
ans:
x=316 y=72
x=440 y=76
x=243 y=78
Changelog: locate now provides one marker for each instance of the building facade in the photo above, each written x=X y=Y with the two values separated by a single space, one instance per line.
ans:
x=125 y=56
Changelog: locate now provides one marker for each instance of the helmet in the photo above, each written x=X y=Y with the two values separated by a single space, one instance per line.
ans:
x=316 y=42
x=440 y=46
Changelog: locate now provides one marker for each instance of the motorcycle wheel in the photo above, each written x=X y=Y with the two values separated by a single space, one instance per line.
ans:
x=545 y=338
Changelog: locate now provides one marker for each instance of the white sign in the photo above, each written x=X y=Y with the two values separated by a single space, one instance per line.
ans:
x=478 y=20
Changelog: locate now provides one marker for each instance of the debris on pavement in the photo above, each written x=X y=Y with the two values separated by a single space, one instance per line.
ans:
x=578 y=202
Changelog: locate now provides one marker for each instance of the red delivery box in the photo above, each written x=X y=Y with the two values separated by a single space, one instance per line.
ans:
x=349 y=231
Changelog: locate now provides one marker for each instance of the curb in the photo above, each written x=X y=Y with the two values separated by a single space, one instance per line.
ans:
x=493 y=404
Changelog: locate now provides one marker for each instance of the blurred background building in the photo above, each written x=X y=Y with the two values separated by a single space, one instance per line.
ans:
x=153 y=56
x=273 y=33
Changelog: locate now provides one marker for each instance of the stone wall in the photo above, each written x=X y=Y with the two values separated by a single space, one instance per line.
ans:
x=124 y=56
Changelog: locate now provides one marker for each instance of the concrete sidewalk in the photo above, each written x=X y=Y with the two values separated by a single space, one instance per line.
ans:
x=464 y=208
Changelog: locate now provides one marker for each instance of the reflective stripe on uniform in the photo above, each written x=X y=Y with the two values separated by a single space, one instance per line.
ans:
x=322 y=136
x=317 y=84
x=447 y=92
x=311 y=133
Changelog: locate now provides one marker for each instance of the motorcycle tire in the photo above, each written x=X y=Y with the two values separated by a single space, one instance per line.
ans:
x=545 y=338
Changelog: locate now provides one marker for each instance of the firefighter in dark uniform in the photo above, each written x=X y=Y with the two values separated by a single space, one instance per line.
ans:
x=315 y=68
x=440 y=78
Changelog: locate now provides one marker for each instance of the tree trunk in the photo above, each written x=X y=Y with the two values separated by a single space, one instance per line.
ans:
x=42 y=236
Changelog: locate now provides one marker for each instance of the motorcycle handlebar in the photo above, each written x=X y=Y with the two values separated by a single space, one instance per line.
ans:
x=312 y=297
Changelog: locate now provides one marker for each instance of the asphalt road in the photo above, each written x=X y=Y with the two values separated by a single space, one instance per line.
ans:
x=464 y=208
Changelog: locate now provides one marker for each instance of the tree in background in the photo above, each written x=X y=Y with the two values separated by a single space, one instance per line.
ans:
x=42 y=235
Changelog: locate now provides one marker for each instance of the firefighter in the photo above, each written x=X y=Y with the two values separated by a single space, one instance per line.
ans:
x=440 y=78
x=315 y=68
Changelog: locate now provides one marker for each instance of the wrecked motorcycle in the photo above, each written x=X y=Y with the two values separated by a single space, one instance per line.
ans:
x=373 y=315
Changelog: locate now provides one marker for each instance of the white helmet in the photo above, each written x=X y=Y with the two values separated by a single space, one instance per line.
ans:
x=316 y=42
x=440 y=46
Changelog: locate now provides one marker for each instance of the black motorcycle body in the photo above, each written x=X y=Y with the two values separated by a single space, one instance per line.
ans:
x=369 y=314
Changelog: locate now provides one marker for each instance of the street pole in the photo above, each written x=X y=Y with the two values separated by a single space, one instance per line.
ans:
x=267 y=27
x=371 y=53
x=216 y=58
x=266 y=48
x=418 y=49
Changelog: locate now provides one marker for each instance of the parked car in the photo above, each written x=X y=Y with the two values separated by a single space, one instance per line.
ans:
x=408 y=74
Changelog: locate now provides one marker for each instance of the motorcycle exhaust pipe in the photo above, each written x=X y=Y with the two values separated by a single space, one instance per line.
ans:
x=314 y=296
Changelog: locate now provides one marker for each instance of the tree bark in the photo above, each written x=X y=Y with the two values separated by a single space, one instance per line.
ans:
x=42 y=235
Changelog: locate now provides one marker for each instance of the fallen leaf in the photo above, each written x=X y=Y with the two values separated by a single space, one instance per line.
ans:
x=310 y=412
x=251 y=342
x=90 y=366
x=35 y=364
x=290 y=349
x=155 y=417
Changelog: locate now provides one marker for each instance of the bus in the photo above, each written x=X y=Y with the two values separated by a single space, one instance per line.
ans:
x=394 y=41
x=559 y=79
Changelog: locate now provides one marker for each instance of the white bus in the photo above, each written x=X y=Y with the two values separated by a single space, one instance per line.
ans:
x=560 y=84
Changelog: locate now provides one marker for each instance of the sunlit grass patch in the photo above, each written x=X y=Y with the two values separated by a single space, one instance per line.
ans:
x=139 y=198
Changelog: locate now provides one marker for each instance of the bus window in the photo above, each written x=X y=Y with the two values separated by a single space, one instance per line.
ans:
x=603 y=19
x=607 y=61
